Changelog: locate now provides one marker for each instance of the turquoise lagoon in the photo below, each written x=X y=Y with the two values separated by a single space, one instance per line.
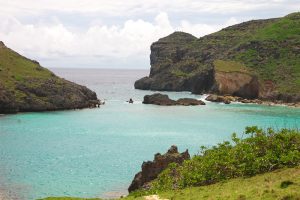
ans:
x=96 y=152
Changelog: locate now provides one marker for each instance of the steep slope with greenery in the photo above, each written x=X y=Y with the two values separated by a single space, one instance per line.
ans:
x=267 y=50
x=259 y=152
x=283 y=184
x=26 y=86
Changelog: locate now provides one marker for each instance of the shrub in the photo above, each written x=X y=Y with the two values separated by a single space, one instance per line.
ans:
x=261 y=151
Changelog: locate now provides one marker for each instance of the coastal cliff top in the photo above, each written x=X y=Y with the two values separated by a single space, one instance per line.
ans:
x=27 y=86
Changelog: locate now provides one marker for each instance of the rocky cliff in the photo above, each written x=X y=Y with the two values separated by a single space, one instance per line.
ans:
x=26 y=86
x=255 y=59
x=151 y=169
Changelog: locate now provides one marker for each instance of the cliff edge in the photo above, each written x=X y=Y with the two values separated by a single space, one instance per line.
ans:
x=254 y=59
x=25 y=86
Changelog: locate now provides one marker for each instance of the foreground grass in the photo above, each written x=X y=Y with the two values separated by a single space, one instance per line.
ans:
x=281 y=184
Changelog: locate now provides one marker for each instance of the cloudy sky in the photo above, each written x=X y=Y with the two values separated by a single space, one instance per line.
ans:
x=117 y=33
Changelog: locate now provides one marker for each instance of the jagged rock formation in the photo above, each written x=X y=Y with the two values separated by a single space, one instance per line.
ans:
x=151 y=169
x=27 y=86
x=164 y=100
x=255 y=59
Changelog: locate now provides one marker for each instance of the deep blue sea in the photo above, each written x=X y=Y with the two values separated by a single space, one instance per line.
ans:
x=96 y=152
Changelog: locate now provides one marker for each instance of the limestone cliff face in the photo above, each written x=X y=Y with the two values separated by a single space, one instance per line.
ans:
x=250 y=55
x=172 y=68
x=236 y=84
x=26 y=86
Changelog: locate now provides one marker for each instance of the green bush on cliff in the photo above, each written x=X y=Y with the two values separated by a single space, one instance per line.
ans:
x=261 y=151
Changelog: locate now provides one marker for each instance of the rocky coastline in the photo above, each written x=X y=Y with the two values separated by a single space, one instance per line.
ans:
x=243 y=61
x=151 y=169
x=26 y=86
x=234 y=99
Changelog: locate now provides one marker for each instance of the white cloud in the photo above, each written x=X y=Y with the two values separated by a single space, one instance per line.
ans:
x=129 y=7
x=128 y=32
x=133 y=38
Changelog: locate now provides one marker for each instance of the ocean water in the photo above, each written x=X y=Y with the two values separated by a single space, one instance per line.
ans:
x=96 y=152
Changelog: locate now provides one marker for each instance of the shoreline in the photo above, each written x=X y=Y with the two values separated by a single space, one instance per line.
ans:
x=226 y=99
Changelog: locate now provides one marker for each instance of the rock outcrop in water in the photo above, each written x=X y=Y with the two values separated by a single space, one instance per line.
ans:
x=151 y=169
x=255 y=59
x=25 y=86
x=164 y=100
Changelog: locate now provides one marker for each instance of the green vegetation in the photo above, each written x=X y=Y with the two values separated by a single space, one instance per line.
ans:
x=269 y=48
x=260 y=152
x=180 y=73
x=18 y=69
x=283 y=184
x=285 y=28
x=273 y=53
x=229 y=66
x=279 y=184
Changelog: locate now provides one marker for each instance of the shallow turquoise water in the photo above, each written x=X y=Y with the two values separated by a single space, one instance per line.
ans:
x=96 y=152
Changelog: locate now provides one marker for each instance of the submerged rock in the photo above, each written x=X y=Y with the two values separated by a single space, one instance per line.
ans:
x=164 y=100
x=151 y=169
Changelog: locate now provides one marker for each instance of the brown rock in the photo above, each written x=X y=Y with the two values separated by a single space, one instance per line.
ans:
x=219 y=99
x=189 y=102
x=151 y=169
x=158 y=99
x=162 y=99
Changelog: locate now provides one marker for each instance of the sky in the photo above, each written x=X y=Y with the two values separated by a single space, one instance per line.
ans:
x=117 y=33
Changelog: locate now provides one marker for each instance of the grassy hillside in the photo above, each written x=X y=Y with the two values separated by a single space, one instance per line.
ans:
x=15 y=69
x=283 y=184
x=260 y=151
x=26 y=86
x=269 y=49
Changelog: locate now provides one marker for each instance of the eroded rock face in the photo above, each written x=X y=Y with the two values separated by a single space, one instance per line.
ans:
x=170 y=63
x=237 y=84
x=182 y=62
x=151 y=169
x=164 y=100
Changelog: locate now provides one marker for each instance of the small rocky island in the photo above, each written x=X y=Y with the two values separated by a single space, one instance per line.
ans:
x=151 y=169
x=258 y=59
x=164 y=100
x=25 y=86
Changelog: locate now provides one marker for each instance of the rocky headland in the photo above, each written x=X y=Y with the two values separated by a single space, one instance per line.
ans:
x=25 y=86
x=164 y=100
x=151 y=169
x=258 y=59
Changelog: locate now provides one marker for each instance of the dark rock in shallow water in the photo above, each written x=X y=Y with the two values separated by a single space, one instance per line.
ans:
x=151 y=169
x=189 y=102
x=158 y=99
x=164 y=100
x=220 y=99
